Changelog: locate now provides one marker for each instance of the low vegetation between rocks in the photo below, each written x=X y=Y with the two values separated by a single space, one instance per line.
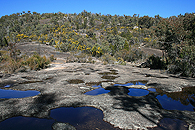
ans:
x=12 y=60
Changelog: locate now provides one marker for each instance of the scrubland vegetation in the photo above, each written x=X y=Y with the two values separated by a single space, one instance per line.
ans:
x=12 y=61
x=114 y=39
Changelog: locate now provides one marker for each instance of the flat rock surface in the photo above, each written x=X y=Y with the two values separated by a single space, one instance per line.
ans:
x=64 y=84
x=59 y=87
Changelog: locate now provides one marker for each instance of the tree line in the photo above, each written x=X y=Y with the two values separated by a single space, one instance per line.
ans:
x=117 y=36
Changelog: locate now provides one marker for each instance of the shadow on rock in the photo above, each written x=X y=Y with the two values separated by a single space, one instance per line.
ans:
x=147 y=106
x=116 y=91
x=42 y=104
x=45 y=99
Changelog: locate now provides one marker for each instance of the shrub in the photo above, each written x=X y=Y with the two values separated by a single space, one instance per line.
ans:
x=108 y=59
x=121 y=61
x=182 y=68
x=9 y=64
x=155 y=62
x=36 y=62
x=52 y=58
x=131 y=55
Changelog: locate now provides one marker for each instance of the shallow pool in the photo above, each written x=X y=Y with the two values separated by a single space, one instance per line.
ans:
x=17 y=94
x=131 y=92
x=171 y=104
x=7 y=86
x=26 y=123
x=184 y=100
x=132 y=83
x=171 y=124
x=83 y=118
x=138 y=92
x=97 y=91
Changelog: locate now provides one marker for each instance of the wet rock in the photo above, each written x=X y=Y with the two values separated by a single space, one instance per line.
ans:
x=120 y=109
x=62 y=126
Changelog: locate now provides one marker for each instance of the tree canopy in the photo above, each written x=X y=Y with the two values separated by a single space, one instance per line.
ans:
x=98 y=34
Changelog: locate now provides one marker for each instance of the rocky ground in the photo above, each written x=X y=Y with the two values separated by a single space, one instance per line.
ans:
x=64 y=85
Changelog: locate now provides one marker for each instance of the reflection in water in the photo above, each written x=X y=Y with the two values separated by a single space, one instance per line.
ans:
x=135 y=91
x=26 y=123
x=171 y=124
x=7 y=86
x=83 y=118
x=170 y=104
x=97 y=92
x=17 y=94
x=138 y=92
x=132 y=83
x=152 y=89
x=116 y=89
x=184 y=100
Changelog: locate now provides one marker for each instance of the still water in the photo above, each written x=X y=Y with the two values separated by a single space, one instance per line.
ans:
x=184 y=100
x=17 y=94
x=82 y=118
x=132 y=91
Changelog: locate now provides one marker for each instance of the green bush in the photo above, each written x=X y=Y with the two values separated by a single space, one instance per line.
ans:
x=182 y=68
x=131 y=55
x=108 y=59
x=36 y=62
x=121 y=61
x=155 y=62
x=9 y=64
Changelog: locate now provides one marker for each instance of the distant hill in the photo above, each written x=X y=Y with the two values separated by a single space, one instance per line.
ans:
x=98 y=35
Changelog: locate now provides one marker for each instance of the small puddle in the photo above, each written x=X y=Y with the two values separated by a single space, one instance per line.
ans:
x=83 y=118
x=184 y=100
x=152 y=89
x=171 y=104
x=97 y=91
x=171 y=124
x=132 y=83
x=135 y=91
x=138 y=92
x=17 y=94
x=7 y=86
x=114 y=88
x=26 y=123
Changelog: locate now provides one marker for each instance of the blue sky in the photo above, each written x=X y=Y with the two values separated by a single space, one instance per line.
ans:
x=165 y=8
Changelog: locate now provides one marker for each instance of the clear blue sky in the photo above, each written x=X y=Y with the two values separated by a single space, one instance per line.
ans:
x=164 y=8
